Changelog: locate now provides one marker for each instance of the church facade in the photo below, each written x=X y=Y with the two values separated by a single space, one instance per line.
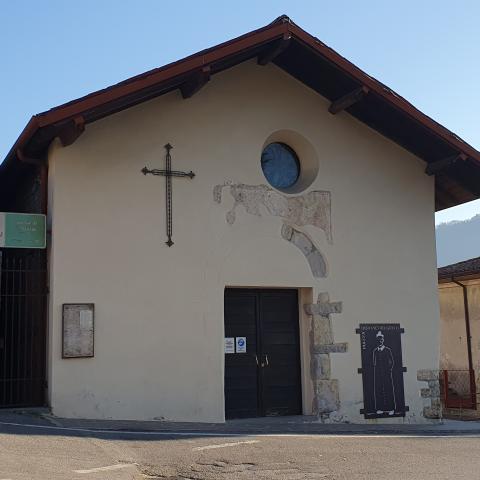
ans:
x=246 y=232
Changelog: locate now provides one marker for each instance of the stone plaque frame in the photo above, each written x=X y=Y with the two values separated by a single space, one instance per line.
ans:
x=78 y=330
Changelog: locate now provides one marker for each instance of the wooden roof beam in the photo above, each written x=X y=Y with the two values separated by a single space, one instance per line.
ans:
x=348 y=100
x=196 y=82
x=70 y=132
x=273 y=52
x=436 y=167
x=443 y=197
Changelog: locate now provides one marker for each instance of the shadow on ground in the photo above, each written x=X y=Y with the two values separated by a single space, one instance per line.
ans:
x=41 y=422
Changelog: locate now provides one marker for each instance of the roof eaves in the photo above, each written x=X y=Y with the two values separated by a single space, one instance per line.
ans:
x=462 y=269
x=181 y=67
x=385 y=92
x=282 y=26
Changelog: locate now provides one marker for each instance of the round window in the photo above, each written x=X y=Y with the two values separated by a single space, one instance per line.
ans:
x=280 y=165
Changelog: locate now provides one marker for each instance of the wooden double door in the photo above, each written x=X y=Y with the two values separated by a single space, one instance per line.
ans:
x=265 y=379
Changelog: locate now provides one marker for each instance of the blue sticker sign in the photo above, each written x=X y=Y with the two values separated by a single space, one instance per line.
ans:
x=241 y=344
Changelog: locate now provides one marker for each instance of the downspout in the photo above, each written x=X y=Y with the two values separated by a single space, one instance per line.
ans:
x=41 y=164
x=44 y=188
x=467 y=322
x=471 y=372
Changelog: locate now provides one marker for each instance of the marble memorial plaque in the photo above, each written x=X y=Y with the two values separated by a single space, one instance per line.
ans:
x=78 y=330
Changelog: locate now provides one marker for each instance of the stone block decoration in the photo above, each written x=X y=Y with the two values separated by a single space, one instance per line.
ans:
x=313 y=208
x=304 y=243
x=432 y=392
x=382 y=370
x=326 y=394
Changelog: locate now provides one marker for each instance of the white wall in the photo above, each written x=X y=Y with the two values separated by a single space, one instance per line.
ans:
x=159 y=310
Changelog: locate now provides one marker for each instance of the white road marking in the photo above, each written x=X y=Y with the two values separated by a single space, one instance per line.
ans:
x=225 y=445
x=105 y=469
x=319 y=435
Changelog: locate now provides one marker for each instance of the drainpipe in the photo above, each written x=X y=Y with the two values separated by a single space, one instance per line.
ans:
x=41 y=164
x=467 y=323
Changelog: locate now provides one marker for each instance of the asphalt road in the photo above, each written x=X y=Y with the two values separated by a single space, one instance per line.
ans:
x=35 y=453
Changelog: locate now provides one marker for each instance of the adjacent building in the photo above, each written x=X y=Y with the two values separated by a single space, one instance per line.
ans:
x=459 y=294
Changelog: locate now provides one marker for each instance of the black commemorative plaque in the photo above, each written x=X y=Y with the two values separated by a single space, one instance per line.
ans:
x=382 y=370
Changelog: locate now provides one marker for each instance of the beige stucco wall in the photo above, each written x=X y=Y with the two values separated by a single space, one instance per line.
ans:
x=159 y=310
x=453 y=350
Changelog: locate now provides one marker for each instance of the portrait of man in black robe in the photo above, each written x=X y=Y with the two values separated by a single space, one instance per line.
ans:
x=384 y=390
x=382 y=370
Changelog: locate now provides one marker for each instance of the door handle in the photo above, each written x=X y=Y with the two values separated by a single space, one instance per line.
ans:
x=265 y=361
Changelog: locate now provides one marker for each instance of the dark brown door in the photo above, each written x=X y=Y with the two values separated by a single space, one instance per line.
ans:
x=265 y=380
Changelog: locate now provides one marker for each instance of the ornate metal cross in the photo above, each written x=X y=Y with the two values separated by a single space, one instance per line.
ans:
x=168 y=173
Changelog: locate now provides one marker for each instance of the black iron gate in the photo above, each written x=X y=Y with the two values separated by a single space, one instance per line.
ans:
x=23 y=324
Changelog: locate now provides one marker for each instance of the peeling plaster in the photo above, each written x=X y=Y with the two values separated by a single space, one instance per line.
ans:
x=313 y=208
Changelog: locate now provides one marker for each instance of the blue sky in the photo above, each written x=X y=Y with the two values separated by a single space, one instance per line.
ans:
x=53 y=51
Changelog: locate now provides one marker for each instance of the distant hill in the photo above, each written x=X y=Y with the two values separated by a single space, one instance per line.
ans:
x=458 y=241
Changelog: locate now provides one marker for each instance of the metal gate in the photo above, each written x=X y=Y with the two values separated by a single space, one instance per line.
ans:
x=458 y=389
x=23 y=322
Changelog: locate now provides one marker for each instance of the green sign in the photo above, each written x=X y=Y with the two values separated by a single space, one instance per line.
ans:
x=22 y=230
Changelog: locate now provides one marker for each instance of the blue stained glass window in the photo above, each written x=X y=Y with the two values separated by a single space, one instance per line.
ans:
x=280 y=165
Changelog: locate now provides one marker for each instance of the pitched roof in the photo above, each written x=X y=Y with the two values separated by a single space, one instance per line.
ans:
x=455 y=163
x=460 y=269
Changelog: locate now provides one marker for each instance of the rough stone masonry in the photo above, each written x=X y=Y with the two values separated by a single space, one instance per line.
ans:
x=326 y=392
x=313 y=208
x=432 y=392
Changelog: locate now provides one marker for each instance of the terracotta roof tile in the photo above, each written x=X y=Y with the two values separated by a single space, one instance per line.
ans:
x=467 y=267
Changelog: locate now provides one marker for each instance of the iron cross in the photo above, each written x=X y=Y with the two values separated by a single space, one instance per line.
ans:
x=168 y=173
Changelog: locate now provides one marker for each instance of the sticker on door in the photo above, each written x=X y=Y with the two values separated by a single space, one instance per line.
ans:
x=229 y=345
x=241 y=344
